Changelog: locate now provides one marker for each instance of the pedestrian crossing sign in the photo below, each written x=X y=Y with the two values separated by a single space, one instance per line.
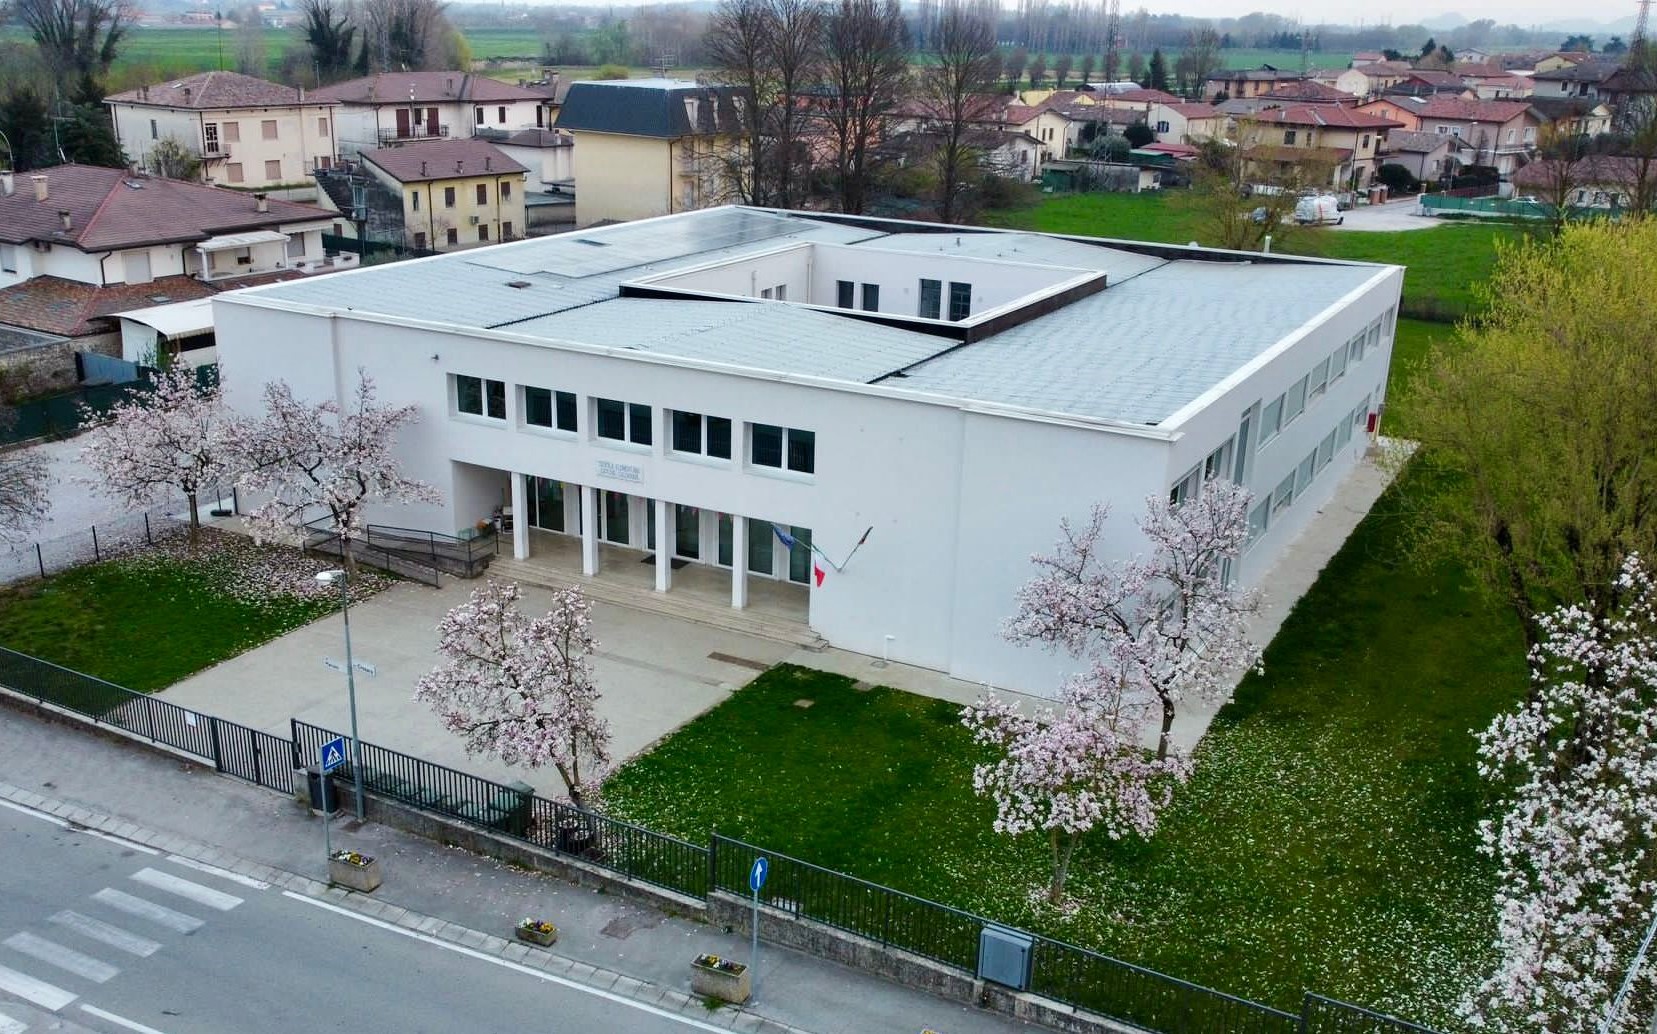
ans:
x=332 y=754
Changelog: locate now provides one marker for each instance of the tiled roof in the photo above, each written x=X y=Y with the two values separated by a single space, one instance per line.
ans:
x=1455 y=109
x=1263 y=74
x=1385 y=68
x=1195 y=110
x=1586 y=72
x=70 y=308
x=1155 y=96
x=1331 y=115
x=1309 y=92
x=1416 y=143
x=1436 y=77
x=213 y=90
x=108 y=209
x=442 y=160
x=425 y=88
x=1594 y=170
x=665 y=109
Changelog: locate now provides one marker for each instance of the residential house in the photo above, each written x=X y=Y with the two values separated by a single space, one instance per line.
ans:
x=679 y=390
x=1560 y=59
x=1140 y=95
x=1308 y=91
x=548 y=154
x=1630 y=94
x=1500 y=87
x=1499 y=134
x=1247 y=82
x=646 y=147
x=1425 y=155
x=391 y=108
x=1350 y=81
x=1599 y=182
x=456 y=194
x=1383 y=75
x=1584 y=79
x=1429 y=82
x=1406 y=111
x=1346 y=139
x=1056 y=131
x=1572 y=117
x=79 y=243
x=1472 y=55
x=248 y=133
x=1366 y=57
x=1187 y=123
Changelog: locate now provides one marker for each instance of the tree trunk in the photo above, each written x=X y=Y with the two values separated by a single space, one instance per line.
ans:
x=1167 y=728
x=1064 y=845
x=195 y=517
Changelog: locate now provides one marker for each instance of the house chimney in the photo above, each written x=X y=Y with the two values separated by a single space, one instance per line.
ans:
x=261 y=202
x=187 y=92
x=460 y=164
x=39 y=180
x=7 y=184
x=485 y=163
x=422 y=168
x=68 y=223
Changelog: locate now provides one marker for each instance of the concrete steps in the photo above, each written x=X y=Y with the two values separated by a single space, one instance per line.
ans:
x=669 y=604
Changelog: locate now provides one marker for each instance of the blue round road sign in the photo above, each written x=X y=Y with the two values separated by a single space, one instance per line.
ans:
x=756 y=875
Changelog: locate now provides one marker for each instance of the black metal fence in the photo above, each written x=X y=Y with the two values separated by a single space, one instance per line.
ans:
x=1320 y=1015
x=466 y=557
x=233 y=749
x=319 y=537
x=118 y=534
x=514 y=810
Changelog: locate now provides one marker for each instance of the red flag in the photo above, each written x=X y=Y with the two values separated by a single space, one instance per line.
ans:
x=817 y=569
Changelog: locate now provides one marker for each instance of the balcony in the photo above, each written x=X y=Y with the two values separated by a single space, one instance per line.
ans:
x=402 y=136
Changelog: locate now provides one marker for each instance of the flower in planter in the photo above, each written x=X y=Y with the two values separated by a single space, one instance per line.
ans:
x=351 y=858
x=537 y=925
x=722 y=965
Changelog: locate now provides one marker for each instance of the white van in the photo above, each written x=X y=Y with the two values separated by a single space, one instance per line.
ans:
x=1322 y=210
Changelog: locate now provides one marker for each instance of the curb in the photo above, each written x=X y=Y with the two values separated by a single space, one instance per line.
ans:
x=672 y=999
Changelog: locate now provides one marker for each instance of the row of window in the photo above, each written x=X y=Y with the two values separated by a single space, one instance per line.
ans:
x=451 y=234
x=1285 y=408
x=932 y=293
x=231 y=132
x=846 y=295
x=1298 y=480
x=769 y=445
x=449 y=196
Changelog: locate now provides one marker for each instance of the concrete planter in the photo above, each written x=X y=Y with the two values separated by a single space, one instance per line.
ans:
x=545 y=938
x=362 y=875
x=713 y=977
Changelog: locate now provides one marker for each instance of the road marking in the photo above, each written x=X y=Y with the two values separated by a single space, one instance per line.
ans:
x=39 y=992
x=119 y=1021
x=213 y=870
x=186 y=889
x=507 y=964
x=11 y=1026
x=148 y=910
x=43 y=816
x=52 y=953
x=99 y=930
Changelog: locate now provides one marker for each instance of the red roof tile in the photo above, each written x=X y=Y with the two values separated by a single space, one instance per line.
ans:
x=215 y=90
x=442 y=160
x=1456 y=109
x=1333 y=115
x=425 y=87
x=109 y=208
x=70 y=308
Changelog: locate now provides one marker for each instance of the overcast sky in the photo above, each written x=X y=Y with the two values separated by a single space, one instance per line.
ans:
x=1518 y=12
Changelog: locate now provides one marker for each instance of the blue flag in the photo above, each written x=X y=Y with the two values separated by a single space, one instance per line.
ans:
x=787 y=539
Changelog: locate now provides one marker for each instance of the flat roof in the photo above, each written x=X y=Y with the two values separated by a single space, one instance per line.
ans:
x=1172 y=323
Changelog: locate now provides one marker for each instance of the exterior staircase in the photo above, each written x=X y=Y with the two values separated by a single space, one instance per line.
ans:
x=680 y=605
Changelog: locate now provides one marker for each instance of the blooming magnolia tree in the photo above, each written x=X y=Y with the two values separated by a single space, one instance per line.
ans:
x=1576 y=840
x=24 y=479
x=175 y=437
x=1064 y=772
x=1157 y=627
x=520 y=689
x=306 y=457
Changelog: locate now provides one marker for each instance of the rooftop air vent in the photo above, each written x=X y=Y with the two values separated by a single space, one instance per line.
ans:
x=519 y=284
x=596 y=244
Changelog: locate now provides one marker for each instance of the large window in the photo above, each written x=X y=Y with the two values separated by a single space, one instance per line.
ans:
x=703 y=435
x=845 y=292
x=1326 y=449
x=1186 y=488
x=1320 y=379
x=871 y=297
x=476 y=396
x=1271 y=420
x=1337 y=364
x=623 y=421
x=1296 y=403
x=932 y=294
x=1308 y=468
x=1259 y=519
x=784 y=447
x=1284 y=495
x=960 y=301
x=544 y=407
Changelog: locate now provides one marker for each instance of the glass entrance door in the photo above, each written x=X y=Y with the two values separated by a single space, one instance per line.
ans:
x=615 y=518
x=687 y=531
x=799 y=558
x=546 y=504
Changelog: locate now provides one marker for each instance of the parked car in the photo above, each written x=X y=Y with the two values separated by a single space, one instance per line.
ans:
x=1321 y=210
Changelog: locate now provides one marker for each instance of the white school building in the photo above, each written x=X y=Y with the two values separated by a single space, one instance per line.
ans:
x=736 y=397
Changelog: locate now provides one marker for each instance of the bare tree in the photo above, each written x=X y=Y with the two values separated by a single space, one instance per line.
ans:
x=78 y=39
x=770 y=53
x=329 y=33
x=738 y=45
x=173 y=160
x=1038 y=70
x=1243 y=190
x=251 y=56
x=866 y=57
x=406 y=34
x=952 y=92
x=1061 y=70
x=1016 y=62
x=1202 y=59
x=797 y=46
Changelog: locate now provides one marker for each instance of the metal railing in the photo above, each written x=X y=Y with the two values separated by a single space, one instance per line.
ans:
x=233 y=749
x=107 y=538
x=514 y=810
x=420 y=132
x=1320 y=1015
x=460 y=556
x=319 y=538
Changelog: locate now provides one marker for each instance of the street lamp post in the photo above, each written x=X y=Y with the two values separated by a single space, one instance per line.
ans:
x=329 y=578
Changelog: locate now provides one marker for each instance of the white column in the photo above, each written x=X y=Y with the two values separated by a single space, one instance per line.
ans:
x=664 y=546
x=739 y=561
x=589 y=530
x=520 y=517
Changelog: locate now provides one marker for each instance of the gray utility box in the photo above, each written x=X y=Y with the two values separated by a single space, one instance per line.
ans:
x=1005 y=956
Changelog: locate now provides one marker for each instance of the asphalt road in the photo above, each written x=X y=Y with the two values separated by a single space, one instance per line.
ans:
x=100 y=935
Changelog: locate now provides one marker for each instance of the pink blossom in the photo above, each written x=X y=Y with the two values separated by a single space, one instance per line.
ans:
x=522 y=690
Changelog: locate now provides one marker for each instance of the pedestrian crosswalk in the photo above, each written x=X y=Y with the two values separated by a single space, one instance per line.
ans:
x=42 y=967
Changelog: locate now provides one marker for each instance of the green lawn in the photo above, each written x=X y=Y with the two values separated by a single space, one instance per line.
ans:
x=1444 y=261
x=148 y=620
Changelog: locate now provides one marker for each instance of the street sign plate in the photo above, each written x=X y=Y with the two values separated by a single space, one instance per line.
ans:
x=329 y=662
x=332 y=754
x=756 y=875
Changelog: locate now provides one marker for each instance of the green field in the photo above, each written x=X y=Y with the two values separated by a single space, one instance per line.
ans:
x=1445 y=262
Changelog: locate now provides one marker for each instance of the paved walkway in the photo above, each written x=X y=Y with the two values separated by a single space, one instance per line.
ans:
x=1388 y=218
x=605 y=942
